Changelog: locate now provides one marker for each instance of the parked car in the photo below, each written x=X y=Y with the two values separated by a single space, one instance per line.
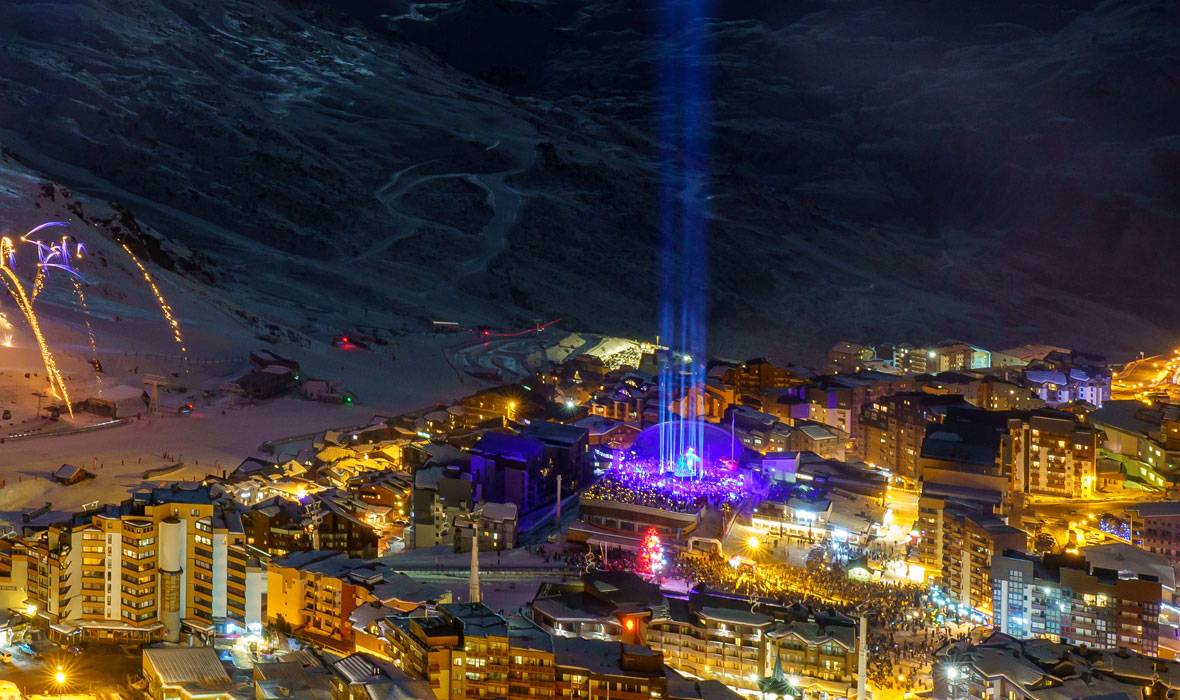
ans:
x=74 y=649
x=5 y=656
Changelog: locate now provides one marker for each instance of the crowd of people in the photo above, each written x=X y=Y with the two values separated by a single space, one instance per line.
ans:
x=897 y=656
x=643 y=483
x=885 y=606
x=902 y=634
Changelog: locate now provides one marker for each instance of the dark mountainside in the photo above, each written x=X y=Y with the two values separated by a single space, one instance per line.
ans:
x=882 y=170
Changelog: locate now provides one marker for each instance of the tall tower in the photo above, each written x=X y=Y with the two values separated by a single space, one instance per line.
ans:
x=862 y=657
x=558 y=520
x=473 y=582
x=172 y=546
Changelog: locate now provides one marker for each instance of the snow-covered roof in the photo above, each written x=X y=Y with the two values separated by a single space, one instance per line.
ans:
x=195 y=665
x=67 y=471
x=816 y=432
x=499 y=512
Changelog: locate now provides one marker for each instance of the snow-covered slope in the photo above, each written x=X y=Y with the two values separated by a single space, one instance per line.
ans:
x=882 y=169
x=114 y=316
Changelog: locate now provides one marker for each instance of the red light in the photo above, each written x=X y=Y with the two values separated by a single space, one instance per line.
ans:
x=630 y=625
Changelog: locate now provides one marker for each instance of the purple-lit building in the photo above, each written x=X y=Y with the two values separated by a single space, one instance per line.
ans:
x=518 y=470
x=566 y=449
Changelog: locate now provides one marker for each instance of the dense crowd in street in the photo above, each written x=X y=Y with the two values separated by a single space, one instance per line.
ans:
x=902 y=635
x=897 y=656
x=884 y=605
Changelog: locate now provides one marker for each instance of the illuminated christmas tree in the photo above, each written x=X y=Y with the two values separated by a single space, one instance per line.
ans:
x=651 y=554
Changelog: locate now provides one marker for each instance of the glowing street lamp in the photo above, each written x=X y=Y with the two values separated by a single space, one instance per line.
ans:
x=753 y=543
x=59 y=677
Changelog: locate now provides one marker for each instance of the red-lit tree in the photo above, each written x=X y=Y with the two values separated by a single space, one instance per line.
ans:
x=651 y=554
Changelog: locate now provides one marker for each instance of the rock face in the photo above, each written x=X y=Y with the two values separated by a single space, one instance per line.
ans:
x=896 y=169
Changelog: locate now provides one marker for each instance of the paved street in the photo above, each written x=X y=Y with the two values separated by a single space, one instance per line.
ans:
x=102 y=670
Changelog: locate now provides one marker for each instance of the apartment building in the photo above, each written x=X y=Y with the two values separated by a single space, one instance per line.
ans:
x=1064 y=598
x=468 y=651
x=441 y=494
x=895 y=426
x=966 y=449
x=718 y=637
x=845 y=356
x=493 y=523
x=995 y=394
x=1156 y=526
x=606 y=605
x=389 y=488
x=162 y=563
x=947 y=356
x=1051 y=454
x=331 y=519
x=960 y=534
x=1001 y=666
x=1147 y=438
x=315 y=594
x=1057 y=387
x=835 y=400
x=755 y=377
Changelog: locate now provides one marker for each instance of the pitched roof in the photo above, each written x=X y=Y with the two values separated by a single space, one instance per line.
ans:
x=555 y=433
x=514 y=447
x=67 y=471
x=188 y=665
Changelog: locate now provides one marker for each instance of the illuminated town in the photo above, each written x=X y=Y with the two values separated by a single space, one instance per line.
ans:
x=589 y=350
x=893 y=523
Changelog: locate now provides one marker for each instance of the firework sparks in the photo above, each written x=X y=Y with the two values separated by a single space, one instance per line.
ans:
x=89 y=331
x=50 y=256
x=25 y=303
x=164 y=307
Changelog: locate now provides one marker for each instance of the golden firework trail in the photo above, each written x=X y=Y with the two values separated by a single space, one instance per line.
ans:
x=25 y=303
x=89 y=331
x=164 y=307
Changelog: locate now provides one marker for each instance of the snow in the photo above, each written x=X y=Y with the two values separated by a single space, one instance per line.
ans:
x=132 y=340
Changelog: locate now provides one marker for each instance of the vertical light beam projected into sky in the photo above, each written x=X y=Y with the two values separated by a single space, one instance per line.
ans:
x=684 y=122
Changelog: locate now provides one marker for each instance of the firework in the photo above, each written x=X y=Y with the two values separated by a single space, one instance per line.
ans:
x=164 y=307
x=60 y=256
x=24 y=302
x=89 y=331
x=49 y=256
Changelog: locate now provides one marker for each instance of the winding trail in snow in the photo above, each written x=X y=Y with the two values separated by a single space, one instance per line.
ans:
x=504 y=200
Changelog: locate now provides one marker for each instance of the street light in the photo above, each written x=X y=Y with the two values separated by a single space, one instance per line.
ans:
x=753 y=542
